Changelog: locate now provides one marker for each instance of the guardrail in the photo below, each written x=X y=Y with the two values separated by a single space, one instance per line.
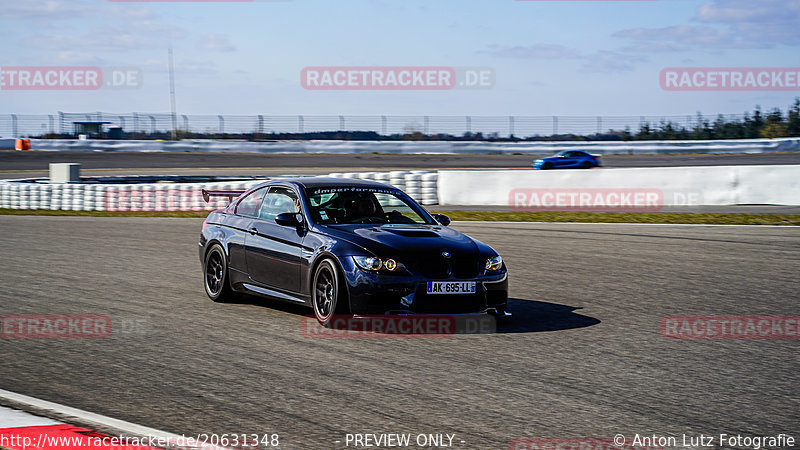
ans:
x=422 y=147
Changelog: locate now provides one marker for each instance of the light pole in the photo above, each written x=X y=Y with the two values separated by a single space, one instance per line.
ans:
x=172 y=96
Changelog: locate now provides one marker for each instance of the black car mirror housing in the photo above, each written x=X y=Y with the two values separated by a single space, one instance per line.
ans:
x=289 y=219
x=442 y=219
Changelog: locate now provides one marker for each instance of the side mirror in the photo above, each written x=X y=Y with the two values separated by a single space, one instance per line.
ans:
x=289 y=219
x=442 y=219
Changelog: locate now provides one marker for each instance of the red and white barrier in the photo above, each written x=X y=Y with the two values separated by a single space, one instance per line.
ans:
x=18 y=194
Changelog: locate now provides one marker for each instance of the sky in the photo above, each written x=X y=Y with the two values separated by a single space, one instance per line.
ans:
x=558 y=57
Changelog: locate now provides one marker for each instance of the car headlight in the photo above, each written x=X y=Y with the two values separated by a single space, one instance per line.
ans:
x=494 y=264
x=374 y=264
x=368 y=262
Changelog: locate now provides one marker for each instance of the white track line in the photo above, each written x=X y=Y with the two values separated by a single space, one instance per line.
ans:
x=15 y=418
x=120 y=427
x=489 y=222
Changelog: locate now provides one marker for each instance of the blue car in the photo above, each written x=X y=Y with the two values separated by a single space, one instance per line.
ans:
x=568 y=159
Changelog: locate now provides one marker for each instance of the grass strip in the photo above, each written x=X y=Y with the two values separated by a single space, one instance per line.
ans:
x=493 y=216
x=658 y=218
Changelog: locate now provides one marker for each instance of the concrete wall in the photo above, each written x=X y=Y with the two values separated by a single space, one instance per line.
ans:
x=716 y=185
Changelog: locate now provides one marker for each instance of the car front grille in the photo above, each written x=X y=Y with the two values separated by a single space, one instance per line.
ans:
x=458 y=266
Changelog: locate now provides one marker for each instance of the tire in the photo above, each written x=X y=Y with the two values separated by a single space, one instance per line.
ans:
x=586 y=165
x=547 y=166
x=215 y=276
x=327 y=293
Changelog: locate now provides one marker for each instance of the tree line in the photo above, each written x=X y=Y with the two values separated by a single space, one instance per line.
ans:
x=770 y=125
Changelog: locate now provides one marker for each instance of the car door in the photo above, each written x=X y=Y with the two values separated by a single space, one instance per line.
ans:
x=580 y=158
x=570 y=159
x=245 y=212
x=274 y=252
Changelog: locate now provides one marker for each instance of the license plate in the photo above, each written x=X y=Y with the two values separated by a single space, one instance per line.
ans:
x=451 y=287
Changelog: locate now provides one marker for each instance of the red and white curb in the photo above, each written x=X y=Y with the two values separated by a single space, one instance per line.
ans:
x=20 y=430
x=37 y=429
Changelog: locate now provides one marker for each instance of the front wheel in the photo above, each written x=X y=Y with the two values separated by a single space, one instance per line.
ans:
x=547 y=166
x=215 y=277
x=326 y=294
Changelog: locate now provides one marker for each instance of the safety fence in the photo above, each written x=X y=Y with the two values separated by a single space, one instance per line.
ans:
x=162 y=124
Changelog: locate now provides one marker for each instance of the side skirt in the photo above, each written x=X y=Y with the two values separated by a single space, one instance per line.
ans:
x=274 y=294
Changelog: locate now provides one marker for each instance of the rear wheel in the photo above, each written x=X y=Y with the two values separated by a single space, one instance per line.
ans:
x=216 y=276
x=326 y=294
x=586 y=165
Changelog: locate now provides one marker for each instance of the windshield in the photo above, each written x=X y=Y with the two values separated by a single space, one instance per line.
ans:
x=350 y=205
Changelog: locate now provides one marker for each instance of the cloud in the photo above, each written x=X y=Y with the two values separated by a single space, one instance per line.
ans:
x=217 y=43
x=535 y=51
x=610 y=61
x=78 y=58
x=182 y=67
x=135 y=36
x=766 y=21
x=601 y=61
x=40 y=10
x=129 y=11
x=726 y=24
x=653 y=47
x=741 y=11
x=47 y=9
x=690 y=36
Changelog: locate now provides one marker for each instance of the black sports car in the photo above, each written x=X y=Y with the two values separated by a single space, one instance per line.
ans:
x=347 y=246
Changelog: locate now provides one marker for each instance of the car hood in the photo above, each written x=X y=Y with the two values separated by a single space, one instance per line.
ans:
x=405 y=240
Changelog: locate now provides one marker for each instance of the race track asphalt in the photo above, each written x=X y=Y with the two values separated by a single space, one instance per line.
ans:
x=582 y=357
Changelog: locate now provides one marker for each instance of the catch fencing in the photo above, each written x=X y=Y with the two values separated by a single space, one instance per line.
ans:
x=161 y=124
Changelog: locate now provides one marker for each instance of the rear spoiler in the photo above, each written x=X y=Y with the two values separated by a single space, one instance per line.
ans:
x=231 y=194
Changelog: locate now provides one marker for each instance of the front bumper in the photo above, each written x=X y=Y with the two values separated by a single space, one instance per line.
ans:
x=378 y=293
